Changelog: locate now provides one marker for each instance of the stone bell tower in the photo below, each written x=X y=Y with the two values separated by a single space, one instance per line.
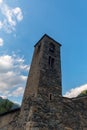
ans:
x=43 y=89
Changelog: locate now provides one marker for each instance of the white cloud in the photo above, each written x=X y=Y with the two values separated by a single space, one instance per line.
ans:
x=11 y=16
x=18 y=13
x=74 y=92
x=17 y=92
x=11 y=76
x=1 y=25
x=1 y=1
x=1 y=42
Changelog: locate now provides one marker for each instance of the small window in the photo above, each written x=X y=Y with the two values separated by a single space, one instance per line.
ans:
x=50 y=96
x=52 y=47
x=51 y=62
x=39 y=46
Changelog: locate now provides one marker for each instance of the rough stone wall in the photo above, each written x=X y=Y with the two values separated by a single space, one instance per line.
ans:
x=7 y=119
x=69 y=114
x=44 y=81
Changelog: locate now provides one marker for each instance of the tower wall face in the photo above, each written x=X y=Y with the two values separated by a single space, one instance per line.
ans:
x=43 y=89
x=50 y=69
x=45 y=71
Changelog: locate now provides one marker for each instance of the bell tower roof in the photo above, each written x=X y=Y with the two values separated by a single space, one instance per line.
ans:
x=46 y=36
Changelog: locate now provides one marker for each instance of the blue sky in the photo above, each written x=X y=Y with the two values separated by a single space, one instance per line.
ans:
x=22 y=24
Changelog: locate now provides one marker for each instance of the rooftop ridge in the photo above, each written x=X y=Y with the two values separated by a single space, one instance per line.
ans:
x=49 y=38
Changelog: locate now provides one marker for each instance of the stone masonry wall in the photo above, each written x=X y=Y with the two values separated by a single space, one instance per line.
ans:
x=7 y=119
x=71 y=114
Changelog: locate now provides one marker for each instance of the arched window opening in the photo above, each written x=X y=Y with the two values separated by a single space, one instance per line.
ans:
x=39 y=46
x=52 y=47
x=51 y=62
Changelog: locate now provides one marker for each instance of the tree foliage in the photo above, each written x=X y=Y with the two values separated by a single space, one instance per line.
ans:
x=83 y=93
x=5 y=105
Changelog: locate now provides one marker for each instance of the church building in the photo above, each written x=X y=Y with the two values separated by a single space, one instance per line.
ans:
x=43 y=106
